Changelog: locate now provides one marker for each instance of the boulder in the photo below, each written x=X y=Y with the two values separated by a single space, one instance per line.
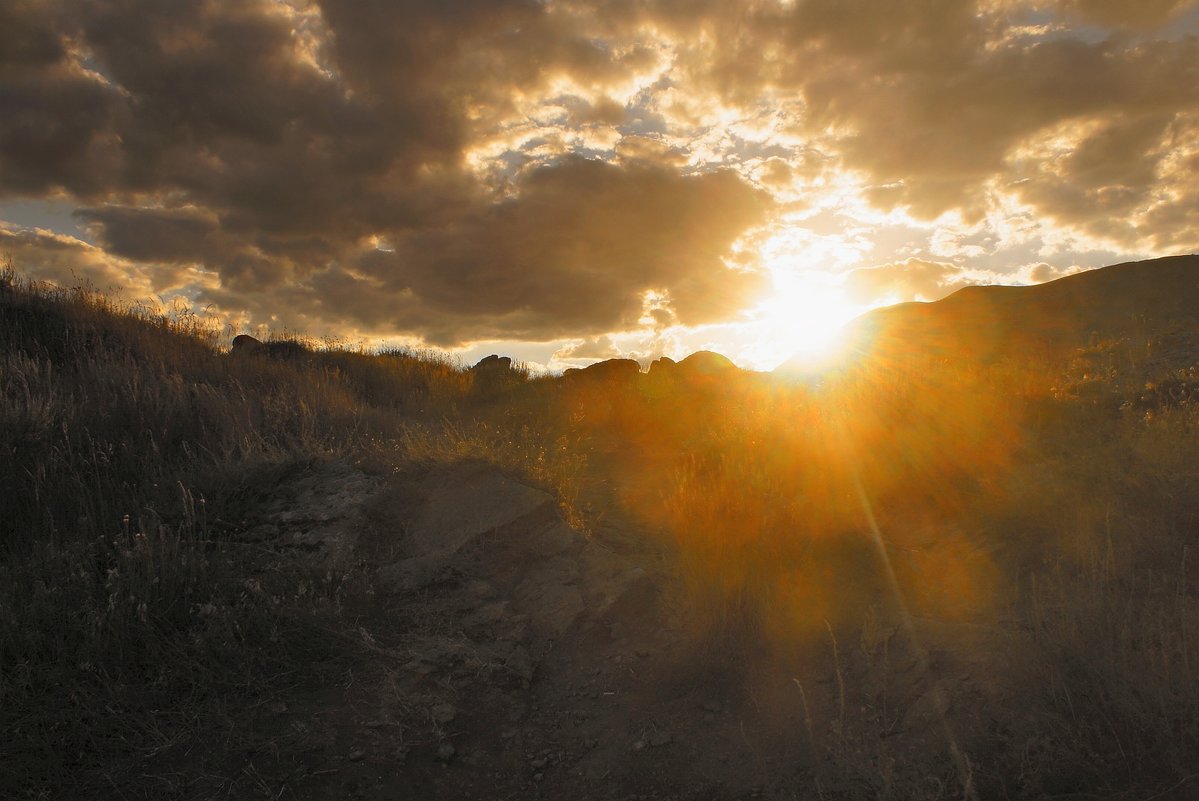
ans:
x=244 y=343
x=611 y=370
x=276 y=348
x=705 y=362
x=494 y=376
x=665 y=365
x=493 y=364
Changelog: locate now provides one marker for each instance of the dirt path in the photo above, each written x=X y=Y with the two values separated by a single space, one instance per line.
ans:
x=502 y=654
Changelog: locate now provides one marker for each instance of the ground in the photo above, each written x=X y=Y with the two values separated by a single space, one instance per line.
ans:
x=499 y=653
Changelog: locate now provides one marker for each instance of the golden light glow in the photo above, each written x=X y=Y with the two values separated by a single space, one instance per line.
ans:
x=804 y=317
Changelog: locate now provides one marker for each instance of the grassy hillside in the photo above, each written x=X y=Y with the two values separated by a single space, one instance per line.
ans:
x=1048 y=501
x=1148 y=305
x=132 y=617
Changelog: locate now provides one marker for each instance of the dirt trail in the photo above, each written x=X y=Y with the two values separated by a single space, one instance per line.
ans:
x=505 y=655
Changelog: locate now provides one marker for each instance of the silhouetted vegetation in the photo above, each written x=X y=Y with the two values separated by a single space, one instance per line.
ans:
x=1048 y=505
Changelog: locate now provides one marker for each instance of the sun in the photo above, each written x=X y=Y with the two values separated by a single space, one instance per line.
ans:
x=803 y=318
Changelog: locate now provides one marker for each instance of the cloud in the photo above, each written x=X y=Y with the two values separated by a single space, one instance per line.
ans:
x=1041 y=272
x=535 y=169
x=58 y=128
x=932 y=101
x=1104 y=180
x=645 y=148
x=938 y=139
x=913 y=279
x=177 y=235
x=593 y=349
x=67 y=261
x=574 y=252
x=1119 y=13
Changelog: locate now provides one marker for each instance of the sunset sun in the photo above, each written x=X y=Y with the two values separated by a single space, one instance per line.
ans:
x=804 y=318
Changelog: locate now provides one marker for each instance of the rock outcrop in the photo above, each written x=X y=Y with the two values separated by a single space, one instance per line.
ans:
x=493 y=364
x=611 y=370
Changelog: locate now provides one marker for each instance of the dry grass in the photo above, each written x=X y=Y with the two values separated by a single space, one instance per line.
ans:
x=132 y=622
x=1049 y=506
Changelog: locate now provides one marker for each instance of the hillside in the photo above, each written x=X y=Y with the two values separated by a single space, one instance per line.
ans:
x=313 y=572
x=1152 y=303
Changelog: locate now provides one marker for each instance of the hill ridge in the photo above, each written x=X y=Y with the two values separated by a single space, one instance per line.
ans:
x=1146 y=299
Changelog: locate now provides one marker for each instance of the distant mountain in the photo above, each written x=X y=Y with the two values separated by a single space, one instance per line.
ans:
x=1153 y=300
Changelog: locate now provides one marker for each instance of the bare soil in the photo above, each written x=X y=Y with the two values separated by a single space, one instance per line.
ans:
x=494 y=652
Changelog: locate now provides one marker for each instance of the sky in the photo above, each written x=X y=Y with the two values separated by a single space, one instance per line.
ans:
x=571 y=180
